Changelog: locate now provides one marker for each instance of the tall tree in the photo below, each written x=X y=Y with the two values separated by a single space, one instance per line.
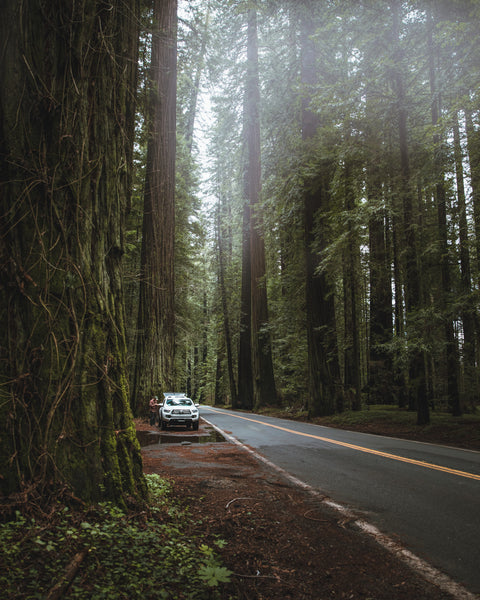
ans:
x=413 y=292
x=245 y=366
x=282 y=212
x=440 y=194
x=226 y=316
x=351 y=260
x=66 y=141
x=154 y=367
x=323 y=367
x=473 y=146
x=262 y=364
x=226 y=185
x=251 y=185
x=195 y=83
x=468 y=310
x=380 y=307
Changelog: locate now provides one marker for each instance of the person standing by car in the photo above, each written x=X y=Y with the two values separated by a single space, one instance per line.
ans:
x=153 y=409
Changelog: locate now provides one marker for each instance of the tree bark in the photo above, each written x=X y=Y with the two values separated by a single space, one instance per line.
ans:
x=245 y=371
x=263 y=378
x=323 y=366
x=66 y=128
x=473 y=151
x=413 y=293
x=226 y=318
x=380 y=371
x=473 y=147
x=468 y=307
x=451 y=350
x=192 y=105
x=351 y=265
x=154 y=367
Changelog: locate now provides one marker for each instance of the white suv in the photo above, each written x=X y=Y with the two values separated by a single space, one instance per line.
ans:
x=177 y=409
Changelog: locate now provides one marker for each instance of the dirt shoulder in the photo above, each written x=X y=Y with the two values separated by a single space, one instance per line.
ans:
x=281 y=542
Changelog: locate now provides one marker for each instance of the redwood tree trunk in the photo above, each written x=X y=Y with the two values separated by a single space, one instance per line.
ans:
x=380 y=371
x=154 y=367
x=440 y=193
x=468 y=309
x=66 y=138
x=473 y=147
x=323 y=367
x=226 y=318
x=262 y=363
x=192 y=105
x=351 y=266
x=245 y=372
x=413 y=292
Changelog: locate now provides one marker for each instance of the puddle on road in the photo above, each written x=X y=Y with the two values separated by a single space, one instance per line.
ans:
x=150 y=438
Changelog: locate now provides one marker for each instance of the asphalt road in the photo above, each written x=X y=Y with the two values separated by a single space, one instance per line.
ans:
x=423 y=495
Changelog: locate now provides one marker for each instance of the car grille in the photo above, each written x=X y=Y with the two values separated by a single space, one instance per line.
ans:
x=180 y=411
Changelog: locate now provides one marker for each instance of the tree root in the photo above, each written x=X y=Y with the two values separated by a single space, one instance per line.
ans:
x=60 y=588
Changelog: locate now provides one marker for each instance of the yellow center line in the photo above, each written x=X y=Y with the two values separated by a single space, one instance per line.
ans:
x=411 y=461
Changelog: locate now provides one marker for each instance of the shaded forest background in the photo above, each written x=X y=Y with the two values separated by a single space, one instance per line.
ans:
x=365 y=216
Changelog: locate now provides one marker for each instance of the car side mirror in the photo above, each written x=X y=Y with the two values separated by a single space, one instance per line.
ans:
x=197 y=405
x=160 y=405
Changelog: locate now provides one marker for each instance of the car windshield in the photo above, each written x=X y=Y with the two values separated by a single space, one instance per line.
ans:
x=179 y=402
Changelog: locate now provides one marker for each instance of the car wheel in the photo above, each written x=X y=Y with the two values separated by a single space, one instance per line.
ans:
x=195 y=426
x=163 y=425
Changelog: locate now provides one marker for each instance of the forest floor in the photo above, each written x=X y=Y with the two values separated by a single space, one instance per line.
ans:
x=281 y=541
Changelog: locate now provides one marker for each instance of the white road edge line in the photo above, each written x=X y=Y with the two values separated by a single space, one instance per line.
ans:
x=432 y=575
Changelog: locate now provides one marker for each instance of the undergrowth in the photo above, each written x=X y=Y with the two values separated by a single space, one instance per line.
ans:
x=104 y=553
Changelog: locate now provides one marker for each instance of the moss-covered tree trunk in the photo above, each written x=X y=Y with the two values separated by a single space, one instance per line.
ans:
x=66 y=134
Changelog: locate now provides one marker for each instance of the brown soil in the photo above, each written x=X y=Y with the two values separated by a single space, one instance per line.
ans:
x=282 y=542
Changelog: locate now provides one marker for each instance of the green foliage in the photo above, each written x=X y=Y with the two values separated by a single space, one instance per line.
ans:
x=361 y=54
x=213 y=575
x=146 y=554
